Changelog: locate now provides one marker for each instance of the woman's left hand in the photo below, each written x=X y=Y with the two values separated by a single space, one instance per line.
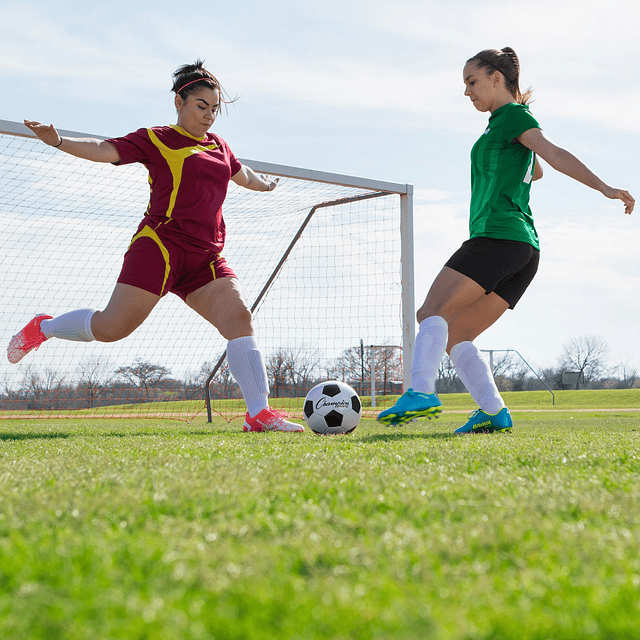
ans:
x=271 y=184
x=246 y=177
x=620 y=194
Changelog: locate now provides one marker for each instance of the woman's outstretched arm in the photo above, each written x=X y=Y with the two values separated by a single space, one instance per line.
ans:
x=565 y=162
x=87 y=148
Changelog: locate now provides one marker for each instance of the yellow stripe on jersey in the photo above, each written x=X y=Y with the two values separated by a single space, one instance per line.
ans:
x=148 y=232
x=175 y=158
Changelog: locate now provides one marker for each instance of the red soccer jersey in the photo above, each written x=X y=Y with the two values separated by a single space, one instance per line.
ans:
x=188 y=177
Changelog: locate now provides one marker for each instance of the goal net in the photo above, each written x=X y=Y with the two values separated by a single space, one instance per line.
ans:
x=322 y=261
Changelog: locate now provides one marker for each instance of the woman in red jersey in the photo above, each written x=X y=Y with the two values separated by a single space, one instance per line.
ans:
x=177 y=245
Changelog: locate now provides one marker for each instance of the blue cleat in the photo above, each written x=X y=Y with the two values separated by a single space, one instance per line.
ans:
x=482 y=422
x=411 y=404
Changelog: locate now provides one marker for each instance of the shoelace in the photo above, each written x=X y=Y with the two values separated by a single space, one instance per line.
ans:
x=411 y=392
x=278 y=415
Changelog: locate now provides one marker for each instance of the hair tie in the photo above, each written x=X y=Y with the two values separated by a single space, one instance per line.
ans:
x=184 y=86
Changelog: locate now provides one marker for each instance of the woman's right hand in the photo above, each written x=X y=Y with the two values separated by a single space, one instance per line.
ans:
x=88 y=148
x=46 y=132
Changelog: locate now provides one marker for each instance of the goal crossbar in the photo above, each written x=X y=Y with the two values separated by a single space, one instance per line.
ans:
x=19 y=129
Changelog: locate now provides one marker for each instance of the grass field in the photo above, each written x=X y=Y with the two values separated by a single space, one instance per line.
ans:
x=132 y=529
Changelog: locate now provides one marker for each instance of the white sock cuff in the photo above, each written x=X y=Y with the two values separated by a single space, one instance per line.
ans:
x=458 y=349
x=433 y=321
x=241 y=344
x=87 y=324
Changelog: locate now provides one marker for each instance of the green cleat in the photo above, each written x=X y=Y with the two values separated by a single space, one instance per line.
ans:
x=482 y=422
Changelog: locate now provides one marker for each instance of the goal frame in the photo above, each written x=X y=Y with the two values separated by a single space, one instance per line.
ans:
x=377 y=187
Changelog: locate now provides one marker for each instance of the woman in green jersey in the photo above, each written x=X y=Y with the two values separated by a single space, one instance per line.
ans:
x=491 y=271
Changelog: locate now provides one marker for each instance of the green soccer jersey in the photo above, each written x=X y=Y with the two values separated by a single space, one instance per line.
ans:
x=501 y=175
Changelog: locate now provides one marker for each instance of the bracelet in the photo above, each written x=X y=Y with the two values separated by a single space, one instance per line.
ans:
x=55 y=146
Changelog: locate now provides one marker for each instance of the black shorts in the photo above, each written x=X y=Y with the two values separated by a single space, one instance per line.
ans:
x=504 y=267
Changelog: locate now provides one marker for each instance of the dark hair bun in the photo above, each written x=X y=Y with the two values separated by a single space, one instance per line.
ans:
x=188 y=74
x=513 y=58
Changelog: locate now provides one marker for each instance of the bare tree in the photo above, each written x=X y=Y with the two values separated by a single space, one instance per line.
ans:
x=42 y=389
x=551 y=376
x=509 y=372
x=225 y=383
x=352 y=366
x=355 y=365
x=448 y=380
x=279 y=369
x=388 y=365
x=8 y=393
x=93 y=378
x=586 y=355
x=627 y=375
x=193 y=383
x=222 y=384
x=144 y=375
x=290 y=370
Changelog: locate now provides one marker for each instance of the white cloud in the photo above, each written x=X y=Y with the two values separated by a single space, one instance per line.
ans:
x=411 y=62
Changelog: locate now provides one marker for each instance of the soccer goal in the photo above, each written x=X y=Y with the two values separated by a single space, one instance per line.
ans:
x=325 y=262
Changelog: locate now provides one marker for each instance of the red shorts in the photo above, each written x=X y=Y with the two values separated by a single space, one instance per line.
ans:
x=160 y=265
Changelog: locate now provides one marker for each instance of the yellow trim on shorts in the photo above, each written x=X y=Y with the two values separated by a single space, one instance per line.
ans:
x=216 y=257
x=148 y=232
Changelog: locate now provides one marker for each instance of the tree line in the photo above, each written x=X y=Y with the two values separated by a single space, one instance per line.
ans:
x=292 y=372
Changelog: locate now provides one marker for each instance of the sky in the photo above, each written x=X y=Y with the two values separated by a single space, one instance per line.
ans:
x=374 y=89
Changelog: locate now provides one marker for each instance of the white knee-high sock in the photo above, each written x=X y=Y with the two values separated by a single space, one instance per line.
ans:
x=247 y=367
x=475 y=373
x=431 y=343
x=74 y=325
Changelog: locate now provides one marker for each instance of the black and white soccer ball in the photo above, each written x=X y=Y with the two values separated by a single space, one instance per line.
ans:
x=332 y=407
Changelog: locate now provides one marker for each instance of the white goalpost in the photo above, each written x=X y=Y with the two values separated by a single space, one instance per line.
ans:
x=325 y=260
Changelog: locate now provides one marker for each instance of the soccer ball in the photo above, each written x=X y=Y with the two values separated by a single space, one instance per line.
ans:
x=332 y=407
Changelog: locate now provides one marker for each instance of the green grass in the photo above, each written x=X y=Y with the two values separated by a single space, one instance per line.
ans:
x=132 y=529
x=542 y=400
x=516 y=400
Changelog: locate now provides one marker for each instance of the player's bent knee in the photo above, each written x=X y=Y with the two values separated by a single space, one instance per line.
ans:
x=244 y=316
x=236 y=324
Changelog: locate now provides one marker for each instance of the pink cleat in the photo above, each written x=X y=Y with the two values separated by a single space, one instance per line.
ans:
x=28 y=339
x=270 y=420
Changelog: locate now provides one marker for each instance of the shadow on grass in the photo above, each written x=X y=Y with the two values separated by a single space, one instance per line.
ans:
x=15 y=437
x=140 y=434
x=32 y=436
x=391 y=437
